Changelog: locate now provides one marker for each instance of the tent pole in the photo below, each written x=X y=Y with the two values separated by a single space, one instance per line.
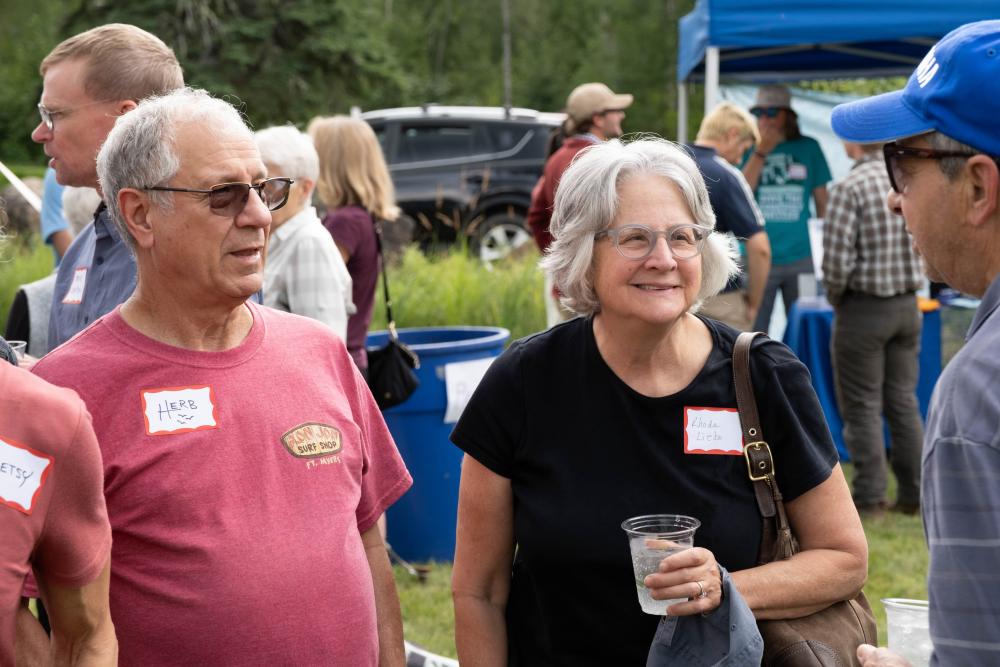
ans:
x=682 y=112
x=711 y=78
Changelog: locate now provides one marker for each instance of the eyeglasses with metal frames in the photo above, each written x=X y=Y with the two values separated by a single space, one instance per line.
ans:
x=49 y=116
x=229 y=199
x=638 y=241
x=892 y=152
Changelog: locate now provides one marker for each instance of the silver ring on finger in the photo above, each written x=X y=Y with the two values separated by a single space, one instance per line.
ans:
x=702 y=593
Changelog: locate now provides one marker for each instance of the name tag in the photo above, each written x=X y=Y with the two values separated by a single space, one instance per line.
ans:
x=797 y=172
x=174 y=410
x=75 y=292
x=23 y=472
x=712 y=431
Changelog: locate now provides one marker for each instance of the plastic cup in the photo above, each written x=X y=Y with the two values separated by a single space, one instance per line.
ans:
x=908 y=628
x=651 y=538
x=20 y=348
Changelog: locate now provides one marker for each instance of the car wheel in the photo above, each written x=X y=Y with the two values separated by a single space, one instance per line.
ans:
x=500 y=235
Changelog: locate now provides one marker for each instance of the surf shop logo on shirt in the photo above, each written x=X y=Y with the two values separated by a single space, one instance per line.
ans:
x=311 y=440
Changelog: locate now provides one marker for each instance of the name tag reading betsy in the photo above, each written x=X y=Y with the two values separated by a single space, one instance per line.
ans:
x=174 y=410
x=23 y=472
x=712 y=431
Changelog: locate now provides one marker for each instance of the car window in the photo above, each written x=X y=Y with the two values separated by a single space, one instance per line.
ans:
x=434 y=142
x=505 y=137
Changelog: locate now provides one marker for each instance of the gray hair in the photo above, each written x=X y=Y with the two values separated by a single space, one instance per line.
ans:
x=139 y=151
x=79 y=205
x=950 y=166
x=587 y=202
x=290 y=151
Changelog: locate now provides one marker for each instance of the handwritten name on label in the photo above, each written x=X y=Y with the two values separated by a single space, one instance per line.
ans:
x=22 y=474
x=75 y=292
x=178 y=410
x=712 y=431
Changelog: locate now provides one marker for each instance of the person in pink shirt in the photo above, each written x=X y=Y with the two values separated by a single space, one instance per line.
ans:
x=245 y=461
x=52 y=519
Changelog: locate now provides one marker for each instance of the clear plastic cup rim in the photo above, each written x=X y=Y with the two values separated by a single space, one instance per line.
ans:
x=647 y=524
x=905 y=603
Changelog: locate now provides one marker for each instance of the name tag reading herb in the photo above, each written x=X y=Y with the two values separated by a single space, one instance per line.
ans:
x=178 y=410
x=712 y=431
x=23 y=471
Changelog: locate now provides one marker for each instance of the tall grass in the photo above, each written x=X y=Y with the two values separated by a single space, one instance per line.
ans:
x=21 y=261
x=455 y=288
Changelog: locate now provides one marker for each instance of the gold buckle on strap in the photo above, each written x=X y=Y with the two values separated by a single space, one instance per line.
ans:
x=761 y=464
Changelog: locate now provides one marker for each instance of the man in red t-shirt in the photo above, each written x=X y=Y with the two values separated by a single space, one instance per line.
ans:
x=245 y=461
x=52 y=519
x=593 y=113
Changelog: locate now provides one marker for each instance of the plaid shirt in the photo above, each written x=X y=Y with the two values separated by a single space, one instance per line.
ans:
x=865 y=246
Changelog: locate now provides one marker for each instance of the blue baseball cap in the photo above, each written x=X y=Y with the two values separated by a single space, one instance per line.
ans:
x=955 y=90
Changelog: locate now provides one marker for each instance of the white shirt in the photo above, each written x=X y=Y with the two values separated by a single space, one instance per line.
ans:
x=305 y=273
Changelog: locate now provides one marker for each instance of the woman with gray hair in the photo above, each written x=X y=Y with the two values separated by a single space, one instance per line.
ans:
x=305 y=273
x=598 y=419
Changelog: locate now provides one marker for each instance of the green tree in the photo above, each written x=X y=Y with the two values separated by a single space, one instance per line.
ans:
x=285 y=60
x=28 y=31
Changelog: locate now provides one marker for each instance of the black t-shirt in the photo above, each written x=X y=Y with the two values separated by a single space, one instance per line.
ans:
x=584 y=452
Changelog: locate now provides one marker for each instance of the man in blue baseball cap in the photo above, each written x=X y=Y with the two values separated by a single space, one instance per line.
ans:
x=943 y=150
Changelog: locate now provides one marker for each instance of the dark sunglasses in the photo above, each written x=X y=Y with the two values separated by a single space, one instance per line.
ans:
x=229 y=199
x=893 y=151
x=770 y=112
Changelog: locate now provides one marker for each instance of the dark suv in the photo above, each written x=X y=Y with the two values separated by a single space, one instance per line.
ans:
x=465 y=170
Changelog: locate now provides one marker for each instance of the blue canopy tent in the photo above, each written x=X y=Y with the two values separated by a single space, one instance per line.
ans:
x=793 y=40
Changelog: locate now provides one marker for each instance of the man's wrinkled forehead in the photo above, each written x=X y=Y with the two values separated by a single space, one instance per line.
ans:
x=223 y=151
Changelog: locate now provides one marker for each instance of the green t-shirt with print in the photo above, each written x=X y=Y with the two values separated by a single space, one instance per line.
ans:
x=790 y=173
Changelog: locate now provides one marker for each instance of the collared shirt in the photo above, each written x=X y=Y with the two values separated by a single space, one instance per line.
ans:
x=305 y=273
x=960 y=495
x=97 y=273
x=865 y=245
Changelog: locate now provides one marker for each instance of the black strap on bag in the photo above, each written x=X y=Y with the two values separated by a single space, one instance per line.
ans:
x=390 y=368
x=829 y=637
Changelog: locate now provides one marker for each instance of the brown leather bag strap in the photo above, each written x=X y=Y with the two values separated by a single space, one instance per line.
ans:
x=777 y=542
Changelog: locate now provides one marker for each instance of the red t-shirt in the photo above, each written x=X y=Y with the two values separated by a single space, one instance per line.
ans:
x=543 y=196
x=52 y=511
x=353 y=230
x=238 y=485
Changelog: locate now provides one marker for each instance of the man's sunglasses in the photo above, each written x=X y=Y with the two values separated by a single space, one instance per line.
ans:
x=229 y=199
x=770 y=112
x=893 y=152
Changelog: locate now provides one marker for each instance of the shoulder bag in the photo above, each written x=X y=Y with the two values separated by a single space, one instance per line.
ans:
x=824 y=638
x=390 y=368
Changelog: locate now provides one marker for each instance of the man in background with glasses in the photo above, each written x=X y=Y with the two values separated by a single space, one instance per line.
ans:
x=89 y=80
x=785 y=170
x=872 y=275
x=942 y=158
x=246 y=463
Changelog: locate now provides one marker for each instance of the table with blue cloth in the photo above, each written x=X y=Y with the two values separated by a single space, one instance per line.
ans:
x=810 y=325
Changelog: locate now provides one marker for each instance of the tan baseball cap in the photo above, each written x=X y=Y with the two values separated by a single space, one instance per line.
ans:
x=590 y=98
x=773 y=95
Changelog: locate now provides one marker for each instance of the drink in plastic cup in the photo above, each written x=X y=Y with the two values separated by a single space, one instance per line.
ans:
x=19 y=347
x=651 y=538
x=908 y=628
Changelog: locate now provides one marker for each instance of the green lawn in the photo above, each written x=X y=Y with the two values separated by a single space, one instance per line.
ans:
x=897 y=567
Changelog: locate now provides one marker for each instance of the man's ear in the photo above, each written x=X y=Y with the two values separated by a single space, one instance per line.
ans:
x=124 y=106
x=984 y=188
x=135 y=208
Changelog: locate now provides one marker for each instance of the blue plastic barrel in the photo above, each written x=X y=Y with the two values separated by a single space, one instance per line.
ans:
x=422 y=522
